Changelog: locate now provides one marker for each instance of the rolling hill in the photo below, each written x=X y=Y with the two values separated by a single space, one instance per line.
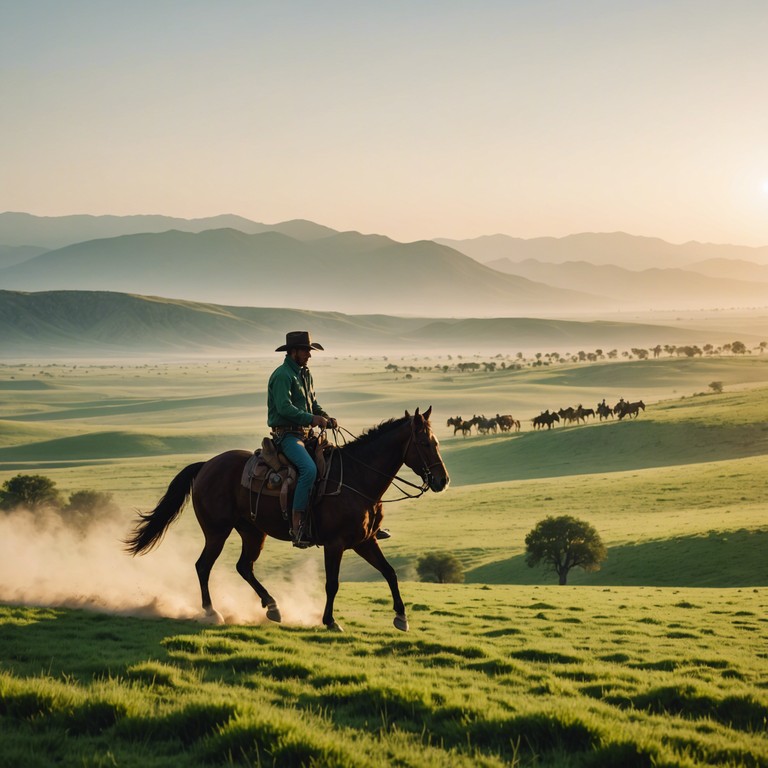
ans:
x=16 y=254
x=92 y=322
x=348 y=272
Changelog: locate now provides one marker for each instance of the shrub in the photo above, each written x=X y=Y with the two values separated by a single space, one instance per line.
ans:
x=442 y=567
x=86 y=506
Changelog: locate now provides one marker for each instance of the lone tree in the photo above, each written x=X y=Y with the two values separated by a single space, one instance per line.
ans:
x=442 y=567
x=562 y=543
x=30 y=491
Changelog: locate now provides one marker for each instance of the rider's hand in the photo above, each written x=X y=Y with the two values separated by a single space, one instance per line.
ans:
x=332 y=423
x=319 y=421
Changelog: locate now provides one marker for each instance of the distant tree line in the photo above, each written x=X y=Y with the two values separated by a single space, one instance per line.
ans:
x=519 y=360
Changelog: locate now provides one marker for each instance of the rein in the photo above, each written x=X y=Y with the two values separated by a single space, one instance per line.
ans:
x=422 y=489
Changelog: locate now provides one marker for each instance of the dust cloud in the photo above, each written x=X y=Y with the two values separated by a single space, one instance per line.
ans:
x=46 y=562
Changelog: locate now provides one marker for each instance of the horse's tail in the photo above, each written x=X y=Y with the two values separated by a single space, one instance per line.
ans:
x=149 y=532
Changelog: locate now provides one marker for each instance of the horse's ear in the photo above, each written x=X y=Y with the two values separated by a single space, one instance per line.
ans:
x=427 y=413
x=407 y=415
x=416 y=413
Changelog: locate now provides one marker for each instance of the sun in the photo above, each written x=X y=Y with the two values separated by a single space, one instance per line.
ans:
x=764 y=187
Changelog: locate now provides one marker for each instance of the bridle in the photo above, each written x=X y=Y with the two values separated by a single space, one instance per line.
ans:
x=426 y=469
x=425 y=473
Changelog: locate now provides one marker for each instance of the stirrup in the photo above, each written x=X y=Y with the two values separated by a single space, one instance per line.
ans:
x=298 y=539
x=383 y=533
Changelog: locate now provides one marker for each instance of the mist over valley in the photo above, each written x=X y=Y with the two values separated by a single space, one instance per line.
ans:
x=228 y=260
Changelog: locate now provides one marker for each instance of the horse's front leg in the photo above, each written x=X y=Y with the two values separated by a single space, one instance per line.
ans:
x=371 y=552
x=333 y=553
x=214 y=543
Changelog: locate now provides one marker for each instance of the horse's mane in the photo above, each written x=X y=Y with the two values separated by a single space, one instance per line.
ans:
x=370 y=435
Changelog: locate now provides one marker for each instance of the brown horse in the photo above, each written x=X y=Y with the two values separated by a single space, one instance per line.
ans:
x=465 y=427
x=545 y=417
x=631 y=409
x=347 y=517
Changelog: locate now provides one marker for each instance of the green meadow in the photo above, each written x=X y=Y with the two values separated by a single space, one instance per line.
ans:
x=659 y=658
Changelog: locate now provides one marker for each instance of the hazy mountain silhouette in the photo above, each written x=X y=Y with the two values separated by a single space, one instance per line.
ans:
x=84 y=323
x=665 y=288
x=232 y=260
x=15 y=254
x=616 y=248
x=58 y=231
x=731 y=269
x=346 y=271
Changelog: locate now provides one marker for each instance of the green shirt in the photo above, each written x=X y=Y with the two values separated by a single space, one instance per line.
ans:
x=291 y=396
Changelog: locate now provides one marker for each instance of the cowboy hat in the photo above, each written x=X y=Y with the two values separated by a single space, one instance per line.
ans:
x=298 y=339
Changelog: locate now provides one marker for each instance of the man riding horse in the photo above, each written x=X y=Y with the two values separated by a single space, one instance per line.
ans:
x=292 y=410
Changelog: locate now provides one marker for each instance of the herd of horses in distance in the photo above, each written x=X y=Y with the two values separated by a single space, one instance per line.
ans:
x=570 y=415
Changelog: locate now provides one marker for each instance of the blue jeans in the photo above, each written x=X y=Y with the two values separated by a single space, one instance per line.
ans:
x=293 y=447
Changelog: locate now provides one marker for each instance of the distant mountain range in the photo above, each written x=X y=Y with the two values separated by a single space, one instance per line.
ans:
x=618 y=248
x=57 y=231
x=231 y=260
x=683 y=288
x=347 y=271
x=82 y=323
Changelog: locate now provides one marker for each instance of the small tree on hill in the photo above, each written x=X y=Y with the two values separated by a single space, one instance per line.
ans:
x=442 y=567
x=90 y=502
x=716 y=386
x=87 y=506
x=30 y=491
x=562 y=543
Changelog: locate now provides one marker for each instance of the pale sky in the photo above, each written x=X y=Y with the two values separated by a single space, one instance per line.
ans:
x=420 y=119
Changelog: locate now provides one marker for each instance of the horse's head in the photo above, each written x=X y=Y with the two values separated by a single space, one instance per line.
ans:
x=423 y=452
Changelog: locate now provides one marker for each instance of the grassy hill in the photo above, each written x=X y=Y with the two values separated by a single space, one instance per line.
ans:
x=86 y=322
x=673 y=433
x=682 y=481
x=656 y=659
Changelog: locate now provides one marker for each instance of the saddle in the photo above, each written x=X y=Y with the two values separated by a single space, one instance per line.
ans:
x=270 y=473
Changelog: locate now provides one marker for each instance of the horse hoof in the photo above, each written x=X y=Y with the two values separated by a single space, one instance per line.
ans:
x=212 y=616
x=335 y=627
x=273 y=613
x=401 y=622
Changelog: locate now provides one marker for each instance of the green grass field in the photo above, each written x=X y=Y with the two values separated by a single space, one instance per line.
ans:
x=659 y=658
x=488 y=676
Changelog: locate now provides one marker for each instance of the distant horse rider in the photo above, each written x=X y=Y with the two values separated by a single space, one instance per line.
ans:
x=292 y=410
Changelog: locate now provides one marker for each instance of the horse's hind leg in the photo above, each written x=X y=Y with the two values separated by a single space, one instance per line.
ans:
x=371 y=552
x=214 y=543
x=253 y=543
